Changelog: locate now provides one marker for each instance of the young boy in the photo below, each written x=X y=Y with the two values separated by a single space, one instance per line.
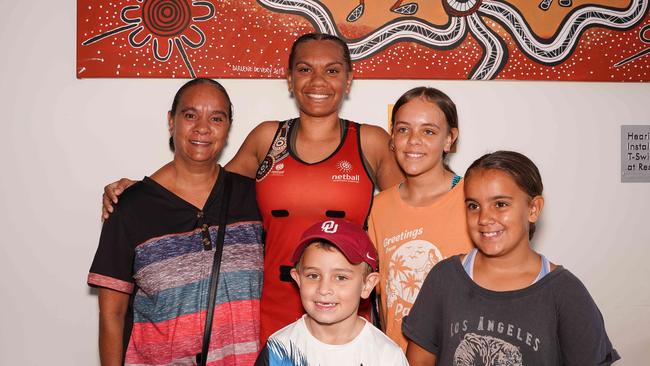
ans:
x=335 y=266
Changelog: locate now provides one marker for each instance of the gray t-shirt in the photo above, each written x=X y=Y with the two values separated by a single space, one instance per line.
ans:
x=552 y=322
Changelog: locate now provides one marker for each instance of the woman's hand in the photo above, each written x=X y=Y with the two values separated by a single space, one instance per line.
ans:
x=111 y=191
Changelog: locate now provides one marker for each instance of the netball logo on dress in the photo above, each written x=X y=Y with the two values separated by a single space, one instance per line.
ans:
x=345 y=167
x=278 y=169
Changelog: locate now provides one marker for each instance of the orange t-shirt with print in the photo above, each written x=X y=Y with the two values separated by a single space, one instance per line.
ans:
x=410 y=241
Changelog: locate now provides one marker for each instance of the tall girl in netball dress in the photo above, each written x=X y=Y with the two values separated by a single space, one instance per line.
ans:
x=420 y=221
x=503 y=303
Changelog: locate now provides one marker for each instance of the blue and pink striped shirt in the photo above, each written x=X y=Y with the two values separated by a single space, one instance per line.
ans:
x=152 y=248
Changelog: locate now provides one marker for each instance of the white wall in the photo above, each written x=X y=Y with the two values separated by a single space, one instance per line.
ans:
x=65 y=138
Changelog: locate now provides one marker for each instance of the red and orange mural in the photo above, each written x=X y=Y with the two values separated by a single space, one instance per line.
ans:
x=591 y=40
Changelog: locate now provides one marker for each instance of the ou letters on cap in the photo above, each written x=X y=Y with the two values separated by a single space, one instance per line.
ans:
x=349 y=238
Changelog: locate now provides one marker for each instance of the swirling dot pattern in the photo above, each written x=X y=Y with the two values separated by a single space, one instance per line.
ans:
x=166 y=17
x=244 y=40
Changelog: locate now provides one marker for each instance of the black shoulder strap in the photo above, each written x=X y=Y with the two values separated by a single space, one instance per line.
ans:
x=201 y=358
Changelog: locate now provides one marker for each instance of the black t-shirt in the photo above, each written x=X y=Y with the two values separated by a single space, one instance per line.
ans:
x=160 y=249
x=552 y=322
x=148 y=210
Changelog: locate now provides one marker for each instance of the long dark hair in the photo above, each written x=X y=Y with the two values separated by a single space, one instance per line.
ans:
x=522 y=170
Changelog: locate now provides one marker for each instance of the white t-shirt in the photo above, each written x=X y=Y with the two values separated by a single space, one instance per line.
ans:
x=295 y=345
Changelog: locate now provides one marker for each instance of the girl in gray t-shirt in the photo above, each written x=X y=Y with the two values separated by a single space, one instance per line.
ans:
x=503 y=303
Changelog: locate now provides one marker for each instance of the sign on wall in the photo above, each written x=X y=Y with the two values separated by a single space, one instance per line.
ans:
x=597 y=40
x=635 y=153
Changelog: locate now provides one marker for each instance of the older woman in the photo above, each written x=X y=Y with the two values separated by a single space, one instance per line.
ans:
x=309 y=168
x=156 y=252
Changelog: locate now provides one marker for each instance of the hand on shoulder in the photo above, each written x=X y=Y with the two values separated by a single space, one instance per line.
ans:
x=111 y=193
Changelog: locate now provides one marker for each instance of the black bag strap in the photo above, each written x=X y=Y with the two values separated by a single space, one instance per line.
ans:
x=201 y=358
x=374 y=305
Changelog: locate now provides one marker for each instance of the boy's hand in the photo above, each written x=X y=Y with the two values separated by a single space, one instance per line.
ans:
x=111 y=192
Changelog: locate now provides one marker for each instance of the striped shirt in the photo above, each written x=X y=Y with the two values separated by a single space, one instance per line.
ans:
x=152 y=248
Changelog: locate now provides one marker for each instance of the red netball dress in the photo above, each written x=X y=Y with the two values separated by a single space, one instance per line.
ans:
x=292 y=195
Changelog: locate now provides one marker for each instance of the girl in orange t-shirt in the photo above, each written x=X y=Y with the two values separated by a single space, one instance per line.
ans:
x=420 y=221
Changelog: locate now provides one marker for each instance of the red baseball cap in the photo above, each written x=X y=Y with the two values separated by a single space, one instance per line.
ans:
x=349 y=238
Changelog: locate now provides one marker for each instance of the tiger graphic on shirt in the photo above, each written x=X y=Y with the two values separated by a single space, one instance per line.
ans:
x=477 y=350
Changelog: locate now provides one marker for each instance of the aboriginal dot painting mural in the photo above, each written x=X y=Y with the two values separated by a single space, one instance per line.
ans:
x=590 y=40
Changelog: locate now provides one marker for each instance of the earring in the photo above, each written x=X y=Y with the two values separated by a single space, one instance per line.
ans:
x=391 y=146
